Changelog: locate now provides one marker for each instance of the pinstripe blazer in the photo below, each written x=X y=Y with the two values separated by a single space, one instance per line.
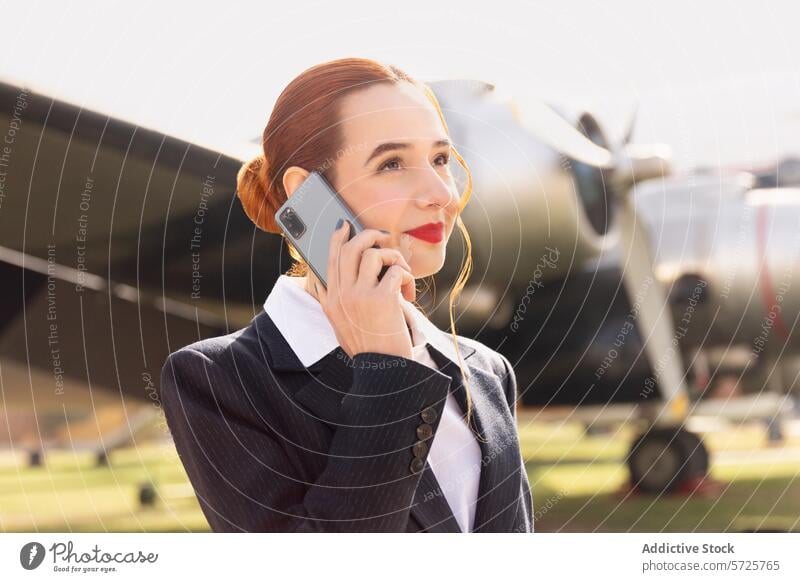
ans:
x=272 y=446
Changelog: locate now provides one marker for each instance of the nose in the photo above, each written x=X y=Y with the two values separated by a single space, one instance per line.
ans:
x=433 y=189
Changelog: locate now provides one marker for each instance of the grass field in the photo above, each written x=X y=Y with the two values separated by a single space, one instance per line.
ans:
x=578 y=484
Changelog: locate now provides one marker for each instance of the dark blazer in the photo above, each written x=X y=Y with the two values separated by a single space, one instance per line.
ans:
x=272 y=446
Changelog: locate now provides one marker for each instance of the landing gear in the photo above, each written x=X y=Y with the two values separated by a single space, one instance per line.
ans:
x=662 y=459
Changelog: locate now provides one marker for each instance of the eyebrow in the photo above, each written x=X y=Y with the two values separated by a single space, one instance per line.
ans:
x=398 y=145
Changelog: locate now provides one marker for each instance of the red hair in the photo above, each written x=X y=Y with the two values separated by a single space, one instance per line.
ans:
x=304 y=130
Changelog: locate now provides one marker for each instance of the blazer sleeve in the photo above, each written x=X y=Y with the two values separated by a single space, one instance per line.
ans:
x=511 y=396
x=245 y=479
x=510 y=383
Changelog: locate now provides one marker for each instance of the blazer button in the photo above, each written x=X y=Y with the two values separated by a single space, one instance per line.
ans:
x=417 y=465
x=419 y=448
x=424 y=431
x=428 y=414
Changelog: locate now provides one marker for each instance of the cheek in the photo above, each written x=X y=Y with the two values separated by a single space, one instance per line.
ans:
x=383 y=208
x=453 y=213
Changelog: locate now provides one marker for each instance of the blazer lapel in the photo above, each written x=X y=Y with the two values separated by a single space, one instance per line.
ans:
x=499 y=485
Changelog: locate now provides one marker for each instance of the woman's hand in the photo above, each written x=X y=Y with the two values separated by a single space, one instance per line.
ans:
x=367 y=314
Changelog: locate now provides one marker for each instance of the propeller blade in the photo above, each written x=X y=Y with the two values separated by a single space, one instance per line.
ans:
x=631 y=125
x=555 y=131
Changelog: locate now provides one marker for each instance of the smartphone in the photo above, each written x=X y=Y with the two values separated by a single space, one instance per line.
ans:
x=308 y=219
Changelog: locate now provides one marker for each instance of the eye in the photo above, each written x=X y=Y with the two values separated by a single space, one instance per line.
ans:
x=389 y=162
x=446 y=158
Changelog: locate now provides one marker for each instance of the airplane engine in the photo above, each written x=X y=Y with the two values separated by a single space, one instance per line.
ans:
x=729 y=255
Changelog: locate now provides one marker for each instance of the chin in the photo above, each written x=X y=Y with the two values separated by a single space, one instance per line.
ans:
x=427 y=268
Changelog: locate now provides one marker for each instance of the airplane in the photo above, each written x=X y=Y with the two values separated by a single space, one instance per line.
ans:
x=119 y=244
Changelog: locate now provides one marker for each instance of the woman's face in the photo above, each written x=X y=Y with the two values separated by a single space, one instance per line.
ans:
x=393 y=170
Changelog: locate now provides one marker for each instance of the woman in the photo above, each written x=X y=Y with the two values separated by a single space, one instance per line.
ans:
x=345 y=409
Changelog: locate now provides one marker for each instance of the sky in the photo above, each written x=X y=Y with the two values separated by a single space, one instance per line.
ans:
x=717 y=81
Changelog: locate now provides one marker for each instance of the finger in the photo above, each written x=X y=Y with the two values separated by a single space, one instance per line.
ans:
x=409 y=288
x=322 y=294
x=351 y=252
x=406 y=250
x=398 y=279
x=334 y=254
x=373 y=260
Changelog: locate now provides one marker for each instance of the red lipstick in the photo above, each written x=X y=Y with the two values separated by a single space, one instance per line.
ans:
x=433 y=232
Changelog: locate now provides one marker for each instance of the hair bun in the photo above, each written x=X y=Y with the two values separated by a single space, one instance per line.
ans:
x=253 y=192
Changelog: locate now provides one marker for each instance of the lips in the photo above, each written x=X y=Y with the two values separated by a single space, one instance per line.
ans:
x=433 y=232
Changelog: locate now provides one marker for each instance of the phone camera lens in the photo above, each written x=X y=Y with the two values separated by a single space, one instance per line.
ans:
x=293 y=223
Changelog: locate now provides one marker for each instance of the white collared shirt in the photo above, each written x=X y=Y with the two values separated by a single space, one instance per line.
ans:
x=454 y=456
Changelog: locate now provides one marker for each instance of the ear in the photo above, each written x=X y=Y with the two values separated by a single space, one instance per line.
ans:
x=292 y=178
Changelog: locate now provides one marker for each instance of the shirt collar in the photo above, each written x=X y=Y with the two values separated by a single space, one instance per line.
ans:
x=305 y=327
